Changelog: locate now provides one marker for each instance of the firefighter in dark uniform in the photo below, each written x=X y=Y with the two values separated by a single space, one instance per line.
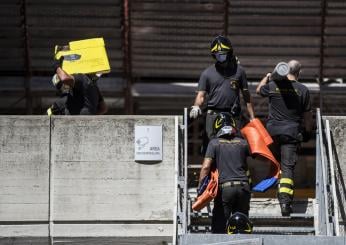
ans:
x=222 y=82
x=289 y=123
x=229 y=153
x=79 y=94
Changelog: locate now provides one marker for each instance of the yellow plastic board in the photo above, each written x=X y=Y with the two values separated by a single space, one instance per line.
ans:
x=84 y=56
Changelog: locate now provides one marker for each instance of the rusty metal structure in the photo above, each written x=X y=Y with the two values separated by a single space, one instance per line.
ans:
x=153 y=44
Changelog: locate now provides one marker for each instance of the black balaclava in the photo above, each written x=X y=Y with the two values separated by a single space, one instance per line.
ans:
x=228 y=67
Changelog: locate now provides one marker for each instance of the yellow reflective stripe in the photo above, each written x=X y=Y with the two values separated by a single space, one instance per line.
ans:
x=248 y=174
x=214 y=48
x=218 y=123
x=286 y=190
x=49 y=112
x=218 y=47
x=286 y=181
x=224 y=46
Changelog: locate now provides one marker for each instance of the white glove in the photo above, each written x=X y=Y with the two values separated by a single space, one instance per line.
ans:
x=195 y=111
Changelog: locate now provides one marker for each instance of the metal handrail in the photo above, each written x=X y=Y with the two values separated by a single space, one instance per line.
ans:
x=322 y=178
x=328 y=208
x=181 y=209
x=332 y=173
x=185 y=170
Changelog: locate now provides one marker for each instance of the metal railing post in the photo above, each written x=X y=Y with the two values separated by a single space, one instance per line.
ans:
x=323 y=174
x=332 y=173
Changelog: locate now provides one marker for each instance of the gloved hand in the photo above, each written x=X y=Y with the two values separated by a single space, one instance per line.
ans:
x=57 y=63
x=195 y=111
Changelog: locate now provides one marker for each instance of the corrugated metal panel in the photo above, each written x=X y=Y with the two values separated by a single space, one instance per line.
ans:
x=12 y=57
x=265 y=32
x=170 y=38
x=335 y=39
x=58 y=22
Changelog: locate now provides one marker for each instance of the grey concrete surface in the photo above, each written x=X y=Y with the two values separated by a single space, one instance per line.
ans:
x=86 y=166
x=96 y=177
x=202 y=239
x=24 y=168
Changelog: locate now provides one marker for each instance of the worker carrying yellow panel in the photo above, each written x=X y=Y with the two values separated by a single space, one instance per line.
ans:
x=84 y=56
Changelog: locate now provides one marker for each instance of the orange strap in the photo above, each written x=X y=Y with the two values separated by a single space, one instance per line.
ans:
x=210 y=192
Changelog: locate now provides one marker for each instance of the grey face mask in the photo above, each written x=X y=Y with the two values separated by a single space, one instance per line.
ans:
x=221 y=57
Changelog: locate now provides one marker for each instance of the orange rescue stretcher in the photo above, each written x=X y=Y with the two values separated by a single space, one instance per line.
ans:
x=259 y=140
x=209 y=193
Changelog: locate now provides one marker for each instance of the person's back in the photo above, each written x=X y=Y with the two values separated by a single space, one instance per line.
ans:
x=230 y=156
x=85 y=96
x=287 y=100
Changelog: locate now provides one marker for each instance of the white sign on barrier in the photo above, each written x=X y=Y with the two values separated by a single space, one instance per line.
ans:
x=148 y=143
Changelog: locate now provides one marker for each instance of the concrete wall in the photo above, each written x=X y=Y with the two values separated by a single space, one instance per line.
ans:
x=80 y=173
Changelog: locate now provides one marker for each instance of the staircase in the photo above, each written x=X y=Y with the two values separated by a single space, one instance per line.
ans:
x=265 y=215
x=318 y=220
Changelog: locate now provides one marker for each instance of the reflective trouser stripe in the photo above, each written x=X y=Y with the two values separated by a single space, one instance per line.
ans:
x=286 y=190
x=286 y=181
x=249 y=176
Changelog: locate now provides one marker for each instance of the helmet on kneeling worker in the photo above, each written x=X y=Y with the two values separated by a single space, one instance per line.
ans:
x=238 y=223
x=224 y=125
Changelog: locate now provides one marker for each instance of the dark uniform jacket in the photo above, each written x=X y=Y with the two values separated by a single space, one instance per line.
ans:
x=230 y=158
x=84 y=97
x=288 y=100
x=223 y=91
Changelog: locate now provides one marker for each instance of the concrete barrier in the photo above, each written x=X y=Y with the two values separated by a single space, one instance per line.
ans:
x=76 y=177
x=24 y=168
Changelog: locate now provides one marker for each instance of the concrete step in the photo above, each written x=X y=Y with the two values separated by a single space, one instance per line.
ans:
x=275 y=230
x=293 y=220
x=265 y=214
x=266 y=207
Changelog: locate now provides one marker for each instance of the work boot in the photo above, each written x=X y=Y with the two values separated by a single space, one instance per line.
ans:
x=286 y=209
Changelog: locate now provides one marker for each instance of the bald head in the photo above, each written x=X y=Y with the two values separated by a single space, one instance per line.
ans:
x=294 y=68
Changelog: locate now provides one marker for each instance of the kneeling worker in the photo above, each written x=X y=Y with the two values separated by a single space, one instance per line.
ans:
x=229 y=153
x=79 y=94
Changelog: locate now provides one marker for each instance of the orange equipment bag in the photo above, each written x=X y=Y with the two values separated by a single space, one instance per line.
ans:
x=209 y=193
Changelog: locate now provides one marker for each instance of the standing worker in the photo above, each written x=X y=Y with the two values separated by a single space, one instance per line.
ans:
x=80 y=94
x=228 y=152
x=289 y=123
x=222 y=82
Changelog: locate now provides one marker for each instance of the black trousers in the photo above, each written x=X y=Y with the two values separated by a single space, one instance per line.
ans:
x=229 y=200
x=285 y=150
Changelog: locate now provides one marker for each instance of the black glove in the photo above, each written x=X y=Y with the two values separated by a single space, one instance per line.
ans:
x=57 y=63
